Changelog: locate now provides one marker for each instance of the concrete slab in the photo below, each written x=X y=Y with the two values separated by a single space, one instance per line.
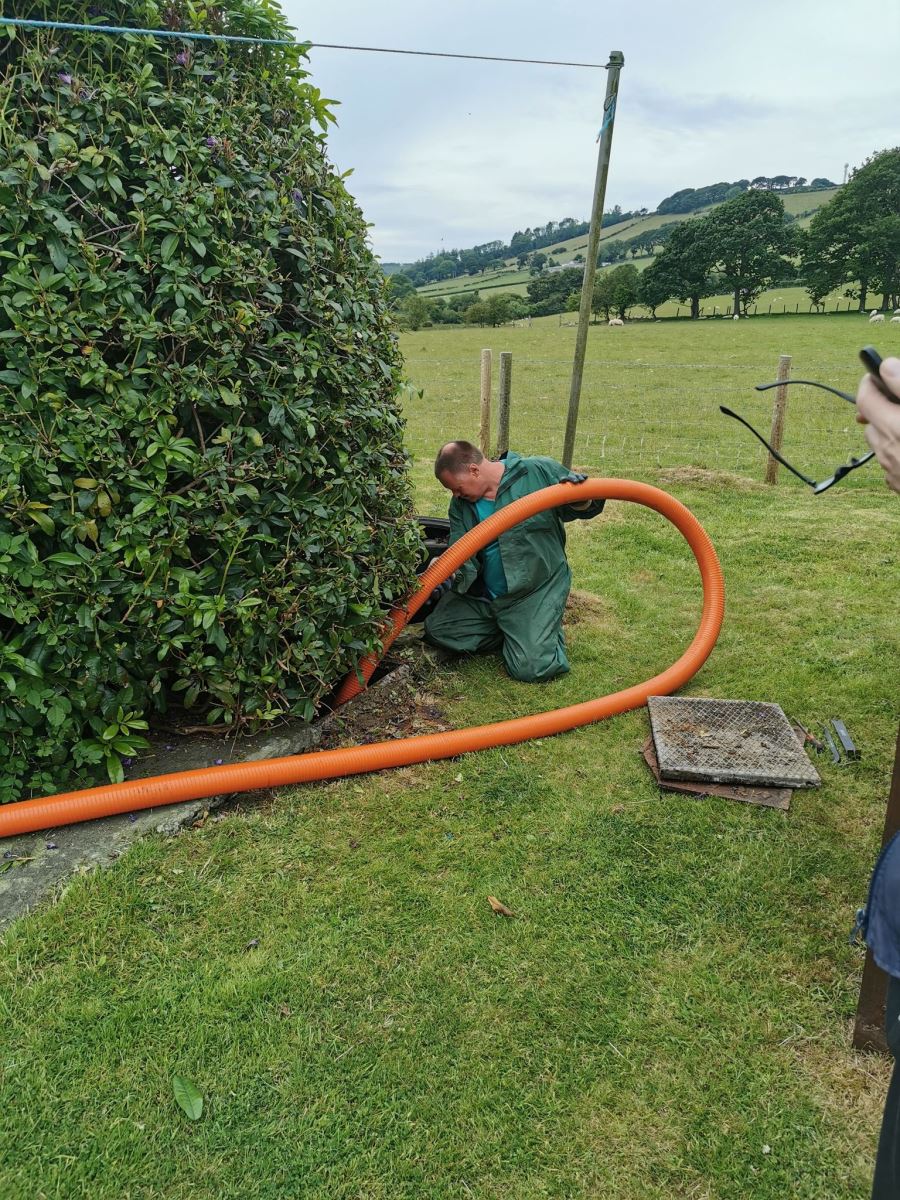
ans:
x=36 y=866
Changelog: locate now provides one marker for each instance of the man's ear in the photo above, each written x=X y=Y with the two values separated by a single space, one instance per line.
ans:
x=473 y=469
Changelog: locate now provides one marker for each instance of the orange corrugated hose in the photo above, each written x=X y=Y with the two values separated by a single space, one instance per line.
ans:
x=69 y=807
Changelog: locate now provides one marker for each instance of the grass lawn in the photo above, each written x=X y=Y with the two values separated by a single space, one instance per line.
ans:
x=668 y=1014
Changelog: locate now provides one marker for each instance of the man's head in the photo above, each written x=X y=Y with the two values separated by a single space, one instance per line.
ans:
x=464 y=471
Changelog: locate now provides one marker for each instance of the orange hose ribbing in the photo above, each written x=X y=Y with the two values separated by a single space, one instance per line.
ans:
x=68 y=807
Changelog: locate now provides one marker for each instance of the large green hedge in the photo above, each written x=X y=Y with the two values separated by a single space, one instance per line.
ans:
x=203 y=491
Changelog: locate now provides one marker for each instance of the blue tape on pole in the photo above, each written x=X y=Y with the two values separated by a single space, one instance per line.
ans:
x=607 y=118
x=169 y=33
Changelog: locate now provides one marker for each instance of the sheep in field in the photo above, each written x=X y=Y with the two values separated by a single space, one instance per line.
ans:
x=616 y=321
x=895 y=320
x=876 y=318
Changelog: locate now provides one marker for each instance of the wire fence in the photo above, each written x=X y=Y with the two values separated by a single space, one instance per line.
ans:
x=636 y=418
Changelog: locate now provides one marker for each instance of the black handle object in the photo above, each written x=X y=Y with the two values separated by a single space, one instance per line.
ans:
x=871 y=360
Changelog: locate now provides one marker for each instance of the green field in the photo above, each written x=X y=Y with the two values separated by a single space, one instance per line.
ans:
x=668 y=1015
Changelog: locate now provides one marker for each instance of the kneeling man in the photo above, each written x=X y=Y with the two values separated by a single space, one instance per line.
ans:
x=511 y=596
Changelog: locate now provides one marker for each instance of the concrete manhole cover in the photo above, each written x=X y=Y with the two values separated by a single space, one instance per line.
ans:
x=728 y=741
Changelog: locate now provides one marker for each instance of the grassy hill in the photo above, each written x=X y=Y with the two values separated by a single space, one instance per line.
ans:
x=510 y=279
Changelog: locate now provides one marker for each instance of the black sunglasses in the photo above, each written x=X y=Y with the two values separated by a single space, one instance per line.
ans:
x=871 y=360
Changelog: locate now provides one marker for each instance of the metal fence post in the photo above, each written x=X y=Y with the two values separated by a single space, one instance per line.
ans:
x=503 y=409
x=784 y=373
x=485 y=433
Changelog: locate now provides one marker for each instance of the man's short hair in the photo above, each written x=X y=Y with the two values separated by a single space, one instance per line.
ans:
x=454 y=457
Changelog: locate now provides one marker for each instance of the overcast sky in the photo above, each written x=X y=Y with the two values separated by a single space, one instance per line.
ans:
x=448 y=153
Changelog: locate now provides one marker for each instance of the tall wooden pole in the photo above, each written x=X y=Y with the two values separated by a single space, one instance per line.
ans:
x=777 y=433
x=614 y=66
x=485 y=432
x=503 y=406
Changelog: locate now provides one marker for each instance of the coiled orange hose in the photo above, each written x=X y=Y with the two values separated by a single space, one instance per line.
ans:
x=68 y=807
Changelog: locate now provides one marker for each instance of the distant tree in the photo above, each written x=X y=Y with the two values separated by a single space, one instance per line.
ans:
x=462 y=300
x=613 y=251
x=396 y=288
x=821 y=182
x=750 y=242
x=497 y=309
x=415 y=310
x=547 y=293
x=602 y=297
x=572 y=302
x=683 y=269
x=579 y=257
x=623 y=284
x=653 y=289
x=521 y=261
x=854 y=239
x=800 y=181
x=537 y=264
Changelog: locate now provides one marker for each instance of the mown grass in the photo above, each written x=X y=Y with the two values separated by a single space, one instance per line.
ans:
x=667 y=1015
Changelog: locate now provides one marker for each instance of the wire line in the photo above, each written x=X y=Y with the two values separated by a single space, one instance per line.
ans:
x=225 y=37
x=542 y=62
x=170 y=33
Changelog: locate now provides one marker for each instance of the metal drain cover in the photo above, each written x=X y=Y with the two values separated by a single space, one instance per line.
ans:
x=728 y=741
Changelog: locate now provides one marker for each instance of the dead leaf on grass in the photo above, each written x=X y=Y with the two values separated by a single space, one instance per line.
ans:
x=252 y=944
x=500 y=909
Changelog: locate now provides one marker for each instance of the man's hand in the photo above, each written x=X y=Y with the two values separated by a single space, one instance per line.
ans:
x=577 y=477
x=442 y=589
x=431 y=603
x=882 y=419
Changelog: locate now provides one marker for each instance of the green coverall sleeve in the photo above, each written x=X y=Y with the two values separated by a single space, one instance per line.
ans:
x=555 y=472
x=468 y=572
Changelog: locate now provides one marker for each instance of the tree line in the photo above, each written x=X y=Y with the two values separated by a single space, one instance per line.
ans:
x=743 y=246
x=491 y=256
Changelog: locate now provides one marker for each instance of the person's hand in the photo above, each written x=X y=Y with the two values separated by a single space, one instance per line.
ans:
x=442 y=589
x=882 y=419
x=431 y=603
x=577 y=477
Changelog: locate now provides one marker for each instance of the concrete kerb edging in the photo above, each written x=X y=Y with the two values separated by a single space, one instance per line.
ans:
x=37 y=866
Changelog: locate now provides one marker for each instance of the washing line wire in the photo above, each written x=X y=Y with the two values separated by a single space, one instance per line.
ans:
x=224 y=37
x=541 y=62
x=170 y=33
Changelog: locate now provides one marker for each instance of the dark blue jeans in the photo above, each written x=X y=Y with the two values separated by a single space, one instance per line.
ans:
x=886 y=1185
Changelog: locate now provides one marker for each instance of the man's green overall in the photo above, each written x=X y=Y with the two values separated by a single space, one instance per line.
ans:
x=525 y=624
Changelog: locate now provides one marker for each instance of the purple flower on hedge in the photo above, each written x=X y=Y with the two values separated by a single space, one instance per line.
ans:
x=297 y=196
x=212 y=142
x=219 y=761
x=64 y=77
x=183 y=58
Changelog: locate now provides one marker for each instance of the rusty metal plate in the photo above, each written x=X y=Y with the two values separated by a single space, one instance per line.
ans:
x=766 y=797
x=727 y=741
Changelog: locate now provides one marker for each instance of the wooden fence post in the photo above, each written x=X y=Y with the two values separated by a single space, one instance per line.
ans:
x=503 y=409
x=868 y=1029
x=485 y=433
x=784 y=373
